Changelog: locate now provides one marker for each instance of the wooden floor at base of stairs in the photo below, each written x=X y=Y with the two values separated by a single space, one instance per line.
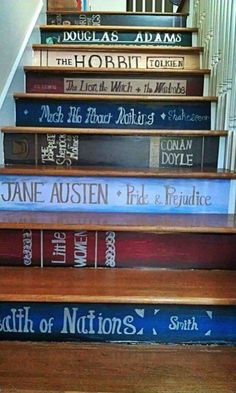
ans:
x=105 y=368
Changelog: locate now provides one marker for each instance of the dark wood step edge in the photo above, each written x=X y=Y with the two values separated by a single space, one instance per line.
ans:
x=119 y=28
x=31 y=170
x=204 y=368
x=75 y=12
x=83 y=97
x=122 y=222
x=114 y=132
x=115 y=71
x=130 y=286
x=78 y=70
x=118 y=48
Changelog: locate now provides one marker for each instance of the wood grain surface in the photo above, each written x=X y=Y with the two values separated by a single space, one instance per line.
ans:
x=32 y=170
x=181 y=223
x=111 y=131
x=119 y=28
x=106 y=368
x=59 y=5
x=111 y=71
x=123 y=98
x=66 y=12
x=130 y=48
x=132 y=286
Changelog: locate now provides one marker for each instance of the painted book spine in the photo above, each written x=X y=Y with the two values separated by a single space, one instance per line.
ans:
x=117 y=194
x=116 y=59
x=117 y=85
x=111 y=150
x=154 y=323
x=111 y=249
x=96 y=19
x=115 y=37
x=107 y=114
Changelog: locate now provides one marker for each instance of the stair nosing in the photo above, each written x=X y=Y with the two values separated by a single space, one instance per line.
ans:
x=87 y=171
x=124 y=222
x=143 y=290
x=75 y=11
x=118 y=48
x=119 y=28
x=77 y=70
x=112 y=131
x=91 y=97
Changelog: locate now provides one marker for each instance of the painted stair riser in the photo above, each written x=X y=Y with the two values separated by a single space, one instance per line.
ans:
x=121 y=19
x=115 y=85
x=116 y=249
x=112 y=322
x=84 y=58
x=117 y=194
x=107 y=114
x=115 y=37
x=111 y=150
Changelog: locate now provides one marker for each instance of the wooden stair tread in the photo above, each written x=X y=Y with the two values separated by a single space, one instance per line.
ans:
x=112 y=131
x=114 y=172
x=181 y=223
x=115 y=71
x=120 y=28
x=55 y=367
x=133 y=286
x=116 y=13
x=83 y=97
x=117 y=48
x=158 y=223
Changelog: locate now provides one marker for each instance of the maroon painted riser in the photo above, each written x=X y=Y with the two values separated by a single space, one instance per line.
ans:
x=117 y=249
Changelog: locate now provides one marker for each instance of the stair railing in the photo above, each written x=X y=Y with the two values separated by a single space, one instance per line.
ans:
x=215 y=20
x=150 y=6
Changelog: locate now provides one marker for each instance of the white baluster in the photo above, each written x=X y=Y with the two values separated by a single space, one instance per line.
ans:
x=153 y=6
x=143 y=5
x=163 y=6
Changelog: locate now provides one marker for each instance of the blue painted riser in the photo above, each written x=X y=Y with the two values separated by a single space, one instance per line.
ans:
x=116 y=194
x=123 y=323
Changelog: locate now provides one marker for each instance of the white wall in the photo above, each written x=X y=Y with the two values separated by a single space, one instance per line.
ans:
x=16 y=18
x=16 y=52
x=108 y=5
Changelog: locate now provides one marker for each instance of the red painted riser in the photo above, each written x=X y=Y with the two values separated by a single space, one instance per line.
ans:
x=202 y=251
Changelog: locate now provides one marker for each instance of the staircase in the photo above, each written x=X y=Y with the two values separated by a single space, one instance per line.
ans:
x=117 y=220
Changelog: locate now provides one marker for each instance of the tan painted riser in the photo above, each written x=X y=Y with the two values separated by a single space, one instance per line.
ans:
x=140 y=57
x=104 y=368
x=119 y=286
